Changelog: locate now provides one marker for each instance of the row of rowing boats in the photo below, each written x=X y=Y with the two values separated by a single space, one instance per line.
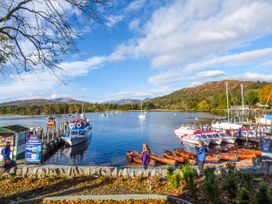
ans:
x=182 y=156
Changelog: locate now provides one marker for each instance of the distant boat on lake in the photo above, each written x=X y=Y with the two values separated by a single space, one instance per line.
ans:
x=142 y=115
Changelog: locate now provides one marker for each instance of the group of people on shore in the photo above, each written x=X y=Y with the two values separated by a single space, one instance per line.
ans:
x=201 y=154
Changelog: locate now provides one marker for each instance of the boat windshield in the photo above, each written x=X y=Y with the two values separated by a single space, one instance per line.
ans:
x=204 y=136
x=216 y=135
x=223 y=135
x=210 y=136
x=82 y=132
x=73 y=133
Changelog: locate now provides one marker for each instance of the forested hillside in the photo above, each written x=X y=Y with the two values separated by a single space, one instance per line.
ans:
x=212 y=95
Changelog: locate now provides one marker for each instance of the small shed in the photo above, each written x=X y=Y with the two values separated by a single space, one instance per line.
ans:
x=16 y=134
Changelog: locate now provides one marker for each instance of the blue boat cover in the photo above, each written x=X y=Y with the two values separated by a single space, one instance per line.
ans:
x=268 y=117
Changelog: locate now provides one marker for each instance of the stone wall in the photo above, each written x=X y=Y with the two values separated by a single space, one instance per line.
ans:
x=70 y=171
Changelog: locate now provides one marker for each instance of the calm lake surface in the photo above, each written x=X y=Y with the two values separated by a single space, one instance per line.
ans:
x=112 y=136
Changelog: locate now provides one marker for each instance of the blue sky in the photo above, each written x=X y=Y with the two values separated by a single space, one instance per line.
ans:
x=147 y=48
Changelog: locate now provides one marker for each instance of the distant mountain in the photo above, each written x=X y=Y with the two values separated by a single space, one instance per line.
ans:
x=126 y=101
x=41 y=101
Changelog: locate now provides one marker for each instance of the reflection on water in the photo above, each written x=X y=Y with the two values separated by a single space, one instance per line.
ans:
x=114 y=135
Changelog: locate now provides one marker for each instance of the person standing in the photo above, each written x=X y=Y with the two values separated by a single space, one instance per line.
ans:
x=6 y=151
x=201 y=154
x=145 y=156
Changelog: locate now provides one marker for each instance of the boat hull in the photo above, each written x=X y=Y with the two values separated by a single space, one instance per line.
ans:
x=75 y=140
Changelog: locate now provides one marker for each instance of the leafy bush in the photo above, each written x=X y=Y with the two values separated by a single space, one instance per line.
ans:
x=188 y=178
x=243 y=196
x=169 y=173
x=246 y=179
x=230 y=180
x=211 y=184
x=175 y=180
x=263 y=195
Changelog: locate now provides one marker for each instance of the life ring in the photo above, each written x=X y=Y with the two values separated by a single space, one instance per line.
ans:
x=78 y=125
x=71 y=125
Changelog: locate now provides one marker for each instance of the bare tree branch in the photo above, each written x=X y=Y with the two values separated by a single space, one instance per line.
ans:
x=36 y=33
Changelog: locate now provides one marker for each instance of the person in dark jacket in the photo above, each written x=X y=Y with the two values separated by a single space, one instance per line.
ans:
x=145 y=156
x=6 y=151
x=201 y=154
x=9 y=164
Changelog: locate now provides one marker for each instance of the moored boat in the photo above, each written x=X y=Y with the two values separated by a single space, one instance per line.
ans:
x=212 y=158
x=170 y=155
x=79 y=131
x=228 y=157
x=135 y=157
x=185 y=154
x=258 y=153
x=163 y=160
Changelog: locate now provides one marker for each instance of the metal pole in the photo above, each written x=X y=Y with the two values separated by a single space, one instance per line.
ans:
x=227 y=95
x=243 y=106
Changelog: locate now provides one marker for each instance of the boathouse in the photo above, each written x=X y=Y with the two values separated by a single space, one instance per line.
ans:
x=16 y=134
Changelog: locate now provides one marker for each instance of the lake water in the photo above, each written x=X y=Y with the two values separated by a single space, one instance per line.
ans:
x=114 y=135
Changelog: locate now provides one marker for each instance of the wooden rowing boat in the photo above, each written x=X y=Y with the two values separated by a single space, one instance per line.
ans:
x=170 y=155
x=162 y=160
x=250 y=151
x=185 y=154
x=228 y=157
x=135 y=157
x=212 y=158
x=245 y=156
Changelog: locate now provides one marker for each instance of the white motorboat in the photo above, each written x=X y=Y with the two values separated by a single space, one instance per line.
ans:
x=195 y=139
x=227 y=138
x=183 y=130
x=78 y=132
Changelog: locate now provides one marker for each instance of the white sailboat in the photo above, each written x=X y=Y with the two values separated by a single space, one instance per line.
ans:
x=226 y=125
x=142 y=115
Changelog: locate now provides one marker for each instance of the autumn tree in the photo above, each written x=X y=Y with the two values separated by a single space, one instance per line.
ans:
x=35 y=33
x=266 y=94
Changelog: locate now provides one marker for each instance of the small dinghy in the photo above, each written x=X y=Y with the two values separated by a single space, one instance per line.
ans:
x=170 y=155
x=228 y=157
x=185 y=154
x=135 y=157
x=212 y=158
x=250 y=151
x=163 y=160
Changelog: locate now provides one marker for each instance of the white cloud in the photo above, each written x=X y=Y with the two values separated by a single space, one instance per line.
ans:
x=113 y=20
x=166 y=78
x=252 y=76
x=231 y=60
x=173 y=77
x=140 y=94
x=135 y=5
x=183 y=32
x=134 y=24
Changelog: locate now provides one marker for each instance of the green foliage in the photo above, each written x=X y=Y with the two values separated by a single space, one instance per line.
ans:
x=188 y=178
x=246 y=179
x=263 y=195
x=211 y=184
x=230 y=184
x=175 y=180
x=169 y=173
x=243 y=195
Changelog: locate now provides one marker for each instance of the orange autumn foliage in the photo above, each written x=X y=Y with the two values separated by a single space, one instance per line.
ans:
x=265 y=93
